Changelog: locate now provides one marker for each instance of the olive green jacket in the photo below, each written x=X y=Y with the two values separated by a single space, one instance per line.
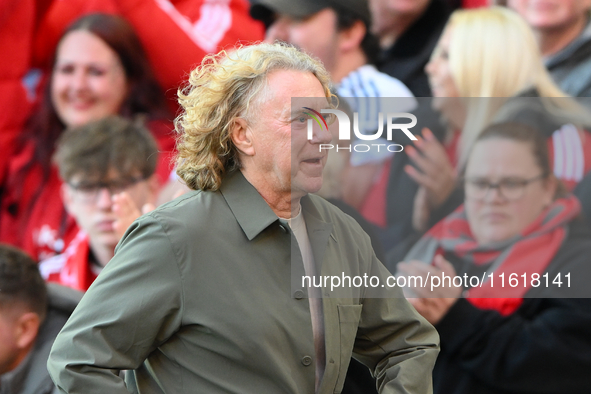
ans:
x=198 y=299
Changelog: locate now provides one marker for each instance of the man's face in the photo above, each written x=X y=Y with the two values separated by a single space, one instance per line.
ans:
x=90 y=202
x=317 y=35
x=286 y=161
x=19 y=328
x=551 y=14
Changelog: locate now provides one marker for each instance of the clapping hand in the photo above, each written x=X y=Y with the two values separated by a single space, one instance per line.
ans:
x=432 y=302
x=435 y=175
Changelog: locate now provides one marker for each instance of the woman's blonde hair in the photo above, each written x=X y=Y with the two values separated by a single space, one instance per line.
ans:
x=493 y=53
x=222 y=89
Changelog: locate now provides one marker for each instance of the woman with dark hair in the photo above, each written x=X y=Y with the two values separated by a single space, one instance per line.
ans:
x=520 y=321
x=99 y=69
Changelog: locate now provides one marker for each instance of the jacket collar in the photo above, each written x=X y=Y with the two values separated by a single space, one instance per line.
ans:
x=250 y=209
x=254 y=214
x=319 y=230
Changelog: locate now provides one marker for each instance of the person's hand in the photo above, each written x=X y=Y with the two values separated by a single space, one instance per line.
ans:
x=434 y=298
x=126 y=212
x=435 y=172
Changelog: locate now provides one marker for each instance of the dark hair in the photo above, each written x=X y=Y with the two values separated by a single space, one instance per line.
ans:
x=110 y=143
x=20 y=281
x=144 y=96
x=523 y=133
x=370 y=43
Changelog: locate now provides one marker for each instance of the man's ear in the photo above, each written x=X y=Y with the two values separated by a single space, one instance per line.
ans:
x=242 y=137
x=26 y=329
x=351 y=38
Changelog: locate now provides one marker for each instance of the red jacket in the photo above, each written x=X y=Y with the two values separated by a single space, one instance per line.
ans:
x=18 y=23
x=71 y=268
x=175 y=34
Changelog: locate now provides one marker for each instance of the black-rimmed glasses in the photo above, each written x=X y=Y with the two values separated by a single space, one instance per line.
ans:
x=89 y=192
x=509 y=188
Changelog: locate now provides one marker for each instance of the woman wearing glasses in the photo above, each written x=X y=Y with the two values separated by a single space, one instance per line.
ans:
x=520 y=248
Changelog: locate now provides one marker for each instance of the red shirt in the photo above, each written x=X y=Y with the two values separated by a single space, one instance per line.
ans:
x=71 y=268
x=18 y=21
x=176 y=34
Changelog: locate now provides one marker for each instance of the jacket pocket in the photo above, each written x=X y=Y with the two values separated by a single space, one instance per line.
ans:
x=349 y=316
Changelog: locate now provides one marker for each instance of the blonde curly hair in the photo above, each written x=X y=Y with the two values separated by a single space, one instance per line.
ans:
x=224 y=88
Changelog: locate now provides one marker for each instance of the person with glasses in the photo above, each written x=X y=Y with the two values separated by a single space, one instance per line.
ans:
x=96 y=162
x=517 y=221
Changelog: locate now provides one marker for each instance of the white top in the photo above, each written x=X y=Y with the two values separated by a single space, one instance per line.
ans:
x=369 y=92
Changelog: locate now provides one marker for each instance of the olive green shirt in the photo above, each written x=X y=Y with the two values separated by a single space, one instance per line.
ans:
x=199 y=299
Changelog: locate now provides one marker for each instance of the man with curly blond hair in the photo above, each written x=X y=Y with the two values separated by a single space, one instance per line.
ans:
x=205 y=294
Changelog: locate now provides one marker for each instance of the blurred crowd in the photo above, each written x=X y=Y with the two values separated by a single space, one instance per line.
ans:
x=497 y=181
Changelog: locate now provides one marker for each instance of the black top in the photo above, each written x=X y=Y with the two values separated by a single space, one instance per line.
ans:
x=543 y=347
x=407 y=58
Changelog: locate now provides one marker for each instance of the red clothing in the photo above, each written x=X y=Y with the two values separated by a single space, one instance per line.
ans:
x=49 y=228
x=17 y=26
x=17 y=199
x=530 y=253
x=175 y=34
x=475 y=3
x=373 y=208
x=570 y=153
x=71 y=268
